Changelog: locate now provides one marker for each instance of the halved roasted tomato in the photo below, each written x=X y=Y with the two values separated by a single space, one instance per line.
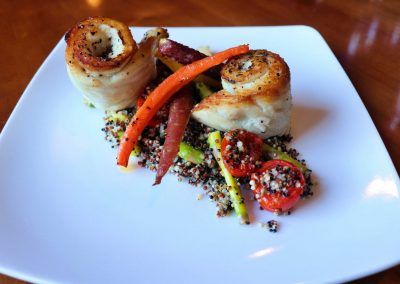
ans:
x=241 y=152
x=277 y=185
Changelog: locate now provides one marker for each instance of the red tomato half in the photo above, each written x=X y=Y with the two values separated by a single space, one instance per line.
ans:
x=240 y=152
x=277 y=185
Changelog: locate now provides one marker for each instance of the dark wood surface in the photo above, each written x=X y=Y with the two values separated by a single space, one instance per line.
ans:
x=364 y=35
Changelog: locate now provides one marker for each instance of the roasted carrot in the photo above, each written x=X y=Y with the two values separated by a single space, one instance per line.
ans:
x=175 y=65
x=155 y=120
x=163 y=92
x=179 y=113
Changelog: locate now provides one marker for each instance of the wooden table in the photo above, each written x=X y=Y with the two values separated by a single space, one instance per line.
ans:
x=364 y=35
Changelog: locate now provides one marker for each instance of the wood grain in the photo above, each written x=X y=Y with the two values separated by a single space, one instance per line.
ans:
x=365 y=37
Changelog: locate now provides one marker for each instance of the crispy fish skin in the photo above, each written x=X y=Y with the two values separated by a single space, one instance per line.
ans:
x=256 y=96
x=106 y=64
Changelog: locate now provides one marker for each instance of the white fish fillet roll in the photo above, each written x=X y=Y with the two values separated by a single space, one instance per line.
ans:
x=256 y=96
x=105 y=63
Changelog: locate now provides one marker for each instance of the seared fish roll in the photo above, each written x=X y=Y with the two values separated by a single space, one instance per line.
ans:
x=105 y=63
x=255 y=96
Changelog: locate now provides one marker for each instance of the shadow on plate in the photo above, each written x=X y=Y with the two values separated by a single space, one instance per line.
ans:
x=252 y=205
x=317 y=194
x=305 y=118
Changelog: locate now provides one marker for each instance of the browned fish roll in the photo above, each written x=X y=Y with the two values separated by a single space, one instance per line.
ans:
x=105 y=63
x=256 y=96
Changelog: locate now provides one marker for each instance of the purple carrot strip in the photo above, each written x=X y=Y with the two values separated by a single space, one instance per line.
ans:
x=185 y=55
x=178 y=118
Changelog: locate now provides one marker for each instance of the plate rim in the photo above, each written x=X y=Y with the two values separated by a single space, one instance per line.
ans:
x=18 y=274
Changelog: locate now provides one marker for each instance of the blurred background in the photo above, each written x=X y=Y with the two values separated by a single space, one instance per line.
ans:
x=364 y=35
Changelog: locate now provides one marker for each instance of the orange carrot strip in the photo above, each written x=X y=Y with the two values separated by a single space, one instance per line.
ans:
x=163 y=92
x=175 y=65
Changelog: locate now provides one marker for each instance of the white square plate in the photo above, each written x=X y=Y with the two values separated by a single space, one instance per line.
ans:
x=68 y=214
